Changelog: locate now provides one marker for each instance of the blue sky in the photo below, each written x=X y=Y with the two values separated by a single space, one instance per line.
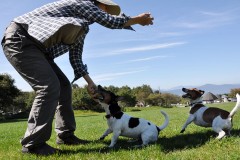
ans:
x=191 y=43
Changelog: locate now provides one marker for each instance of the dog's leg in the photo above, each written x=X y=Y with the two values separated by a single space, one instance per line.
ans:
x=115 y=136
x=145 y=140
x=221 y=134
x=229 y=132
x=189 y=120
x=132 y=140
x=107 y=132
x=218 y=124
x=147 y=137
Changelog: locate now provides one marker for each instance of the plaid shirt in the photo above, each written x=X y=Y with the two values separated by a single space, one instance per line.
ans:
x=43 y=22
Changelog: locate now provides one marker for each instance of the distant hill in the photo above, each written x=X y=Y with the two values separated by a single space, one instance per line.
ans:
x=215 y=89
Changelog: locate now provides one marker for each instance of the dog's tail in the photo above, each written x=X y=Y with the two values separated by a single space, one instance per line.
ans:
x=237 y=106
x=165 y=124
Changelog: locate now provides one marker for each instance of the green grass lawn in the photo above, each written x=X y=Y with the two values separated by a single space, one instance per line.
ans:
x=195 y=143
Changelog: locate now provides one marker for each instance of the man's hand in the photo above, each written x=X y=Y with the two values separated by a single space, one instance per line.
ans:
x=143 y=19
x=92 y=91
x=91 y=88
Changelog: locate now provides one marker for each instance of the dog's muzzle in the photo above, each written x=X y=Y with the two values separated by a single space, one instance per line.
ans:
x=186 y=96
x=99 y=97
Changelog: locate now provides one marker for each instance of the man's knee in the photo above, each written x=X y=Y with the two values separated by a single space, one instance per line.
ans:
x=66 y=91
x=50 y=88
x=54 y=88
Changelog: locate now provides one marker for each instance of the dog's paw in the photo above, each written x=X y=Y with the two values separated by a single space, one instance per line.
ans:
x=140 y=146
x=104 y=150
x=101 y=138
x=182 y=130
x=111 y=146
x=132 y=140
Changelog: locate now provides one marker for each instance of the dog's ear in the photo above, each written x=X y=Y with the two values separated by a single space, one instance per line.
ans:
x=184 y=89
x=202 y=92
x=99 y=87
x=120 y=98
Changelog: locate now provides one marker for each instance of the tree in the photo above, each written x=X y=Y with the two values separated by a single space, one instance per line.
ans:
x=74 y=86
x=30 y=98
x=25 y=100
x=233 y=92
x=82 y=100
x=112 y=88
x=129 y=98
x=184 y=101
x=8 y=92
x=170 y=99
x=142 y=93
x=154 y=99
x=19 y=103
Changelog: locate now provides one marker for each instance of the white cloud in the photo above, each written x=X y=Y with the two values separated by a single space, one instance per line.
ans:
x=150 y=47
x=112 y=76
x=207 y=13
x=144 y=59
x=171 y=34
x=137 y=49
x=207 y=19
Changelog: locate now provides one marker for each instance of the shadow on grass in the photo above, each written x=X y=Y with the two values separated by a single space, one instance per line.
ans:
x=135 y=110
x=25 y=119
x=183 y=141
x=122 y=144
x=13 y=120
x=85 y=116
x=178 y=142
x=194 y=140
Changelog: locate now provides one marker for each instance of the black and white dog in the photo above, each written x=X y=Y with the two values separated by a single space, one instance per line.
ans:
x=121 y=124
x=219 y=119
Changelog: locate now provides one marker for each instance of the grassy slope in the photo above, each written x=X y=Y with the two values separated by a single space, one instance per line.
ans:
x=195 y=143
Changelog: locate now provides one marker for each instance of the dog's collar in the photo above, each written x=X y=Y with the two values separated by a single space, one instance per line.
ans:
x=192 y=104
x=112 y=115
x=108 y=116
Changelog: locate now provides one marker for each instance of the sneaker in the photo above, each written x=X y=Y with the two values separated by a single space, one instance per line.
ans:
x=43 y=150
x=71 y=140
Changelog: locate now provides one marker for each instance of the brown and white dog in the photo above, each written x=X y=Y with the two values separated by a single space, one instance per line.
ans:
x=219 y=119
x=121 y=124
